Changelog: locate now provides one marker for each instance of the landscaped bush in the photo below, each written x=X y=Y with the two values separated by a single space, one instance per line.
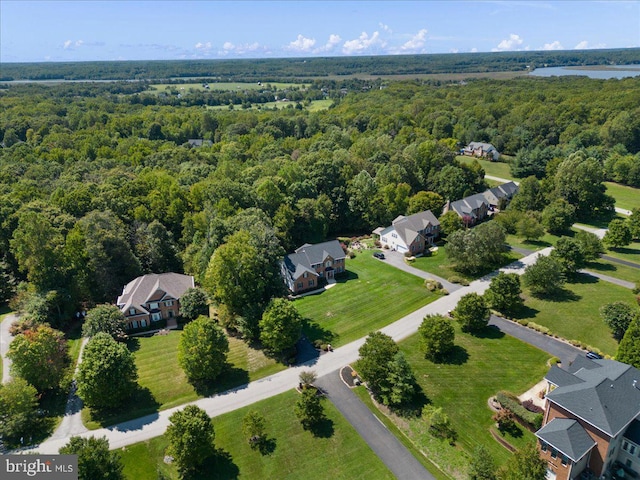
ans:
x=539 y=328
x=510 y=402
x=504 y=418
x=457 y=279
x=532 y=407
x=432 y=285
x=408 y=254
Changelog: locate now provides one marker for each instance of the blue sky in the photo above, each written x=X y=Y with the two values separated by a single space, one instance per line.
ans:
x=33 y=31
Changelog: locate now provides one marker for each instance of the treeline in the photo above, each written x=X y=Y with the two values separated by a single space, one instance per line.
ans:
x=288 y=68
x=96 y=190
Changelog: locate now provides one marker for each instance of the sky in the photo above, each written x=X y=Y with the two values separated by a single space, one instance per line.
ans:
x=51 y=30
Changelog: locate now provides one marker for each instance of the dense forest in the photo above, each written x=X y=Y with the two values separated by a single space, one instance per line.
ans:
x=99 y=182
x=288 y=68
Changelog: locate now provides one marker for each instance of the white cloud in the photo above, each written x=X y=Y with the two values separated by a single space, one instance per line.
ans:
x=229 y=48
x=71 y=44
x=362 y=43
x=416 y=43
x=454 y=50
x=474 y=50
x=582 y=45
x=334 y=40
x=301 y=44
x=556 y=45
x=203 y=46
x=385 y=28
x=510 y=43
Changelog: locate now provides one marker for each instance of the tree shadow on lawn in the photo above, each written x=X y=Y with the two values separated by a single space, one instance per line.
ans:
x=218 y=466
x=231 y=378
x=267 y=446
x=346 y=276
x=315 y=332
x=412 y=409
x=565 y=295
x=626 y=251
x=323 y=428
x=601 y=267
x=524 y=312
x=457 y=356
x=536 y=243
x=133 y=344
x=490 y=332
x=141 y=404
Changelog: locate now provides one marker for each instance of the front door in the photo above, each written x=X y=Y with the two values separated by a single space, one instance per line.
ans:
x=329 y=274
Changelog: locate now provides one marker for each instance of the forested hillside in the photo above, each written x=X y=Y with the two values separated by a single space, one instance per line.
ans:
x=99 y=183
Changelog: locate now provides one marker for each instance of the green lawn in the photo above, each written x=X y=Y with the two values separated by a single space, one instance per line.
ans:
x=496 y=169
x=372 y=295
x=548 y=240
x=164 y=384
x=615 y=270
x=480 y=367
x=222 y=86
x=630 y=253
x=574 y=313
x=626 y=197
x=337 y=453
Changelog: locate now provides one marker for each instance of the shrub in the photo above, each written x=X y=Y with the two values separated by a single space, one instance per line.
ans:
x=532 y=407
x=505 y=420
x=510 y=402
x=432 y=285
x=408 y=254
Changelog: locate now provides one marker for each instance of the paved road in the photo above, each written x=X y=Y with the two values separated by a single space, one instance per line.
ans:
x=397 y=260
x=5 y=340
x=620 y=261
x=384 y=443
x=155 y=425
x=607 y=278
x=599 y=232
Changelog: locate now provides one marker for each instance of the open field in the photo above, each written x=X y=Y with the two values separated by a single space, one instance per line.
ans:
x=222 y=86
x=496 y=169
x=630 y=253
x=479 y=368
x=371 y=295
x=338 y=452
x=574 y=313
x=626 y=197
x=164 y=384
x=615 y=270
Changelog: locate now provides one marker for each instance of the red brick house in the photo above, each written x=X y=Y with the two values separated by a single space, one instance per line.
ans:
x=310 y=265
x=591 y=425
x=153 y=297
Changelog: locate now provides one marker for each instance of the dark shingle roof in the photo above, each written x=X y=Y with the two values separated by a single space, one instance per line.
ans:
x=607 y=396
x=302 y=260
x=560 y=377
x=408 y=227
x=568 y=437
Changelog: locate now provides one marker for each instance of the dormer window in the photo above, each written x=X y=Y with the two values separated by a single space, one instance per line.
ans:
x=132 y=311
x=153 y=306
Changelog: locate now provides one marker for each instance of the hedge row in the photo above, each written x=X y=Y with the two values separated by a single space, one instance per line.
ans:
x=509 y=401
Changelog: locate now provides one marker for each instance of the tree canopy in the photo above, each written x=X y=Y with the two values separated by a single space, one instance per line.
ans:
x=436 y=336
x=95 y=460
x=202 y=351
x=280 y=326
x=191 y=436
x=105 y=318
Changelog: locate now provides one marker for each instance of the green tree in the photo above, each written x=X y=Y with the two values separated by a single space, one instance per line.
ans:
x=107 y=374
x=202 y=351
x=308 y=408
x=529 y=197
x=618 y=316
x=438 y=422
x=400 y=385
x=569 y=255
x=633 y=221
x=105 y=318
x=18 y=404
x=558 y=216
x=482 y=466
x=525 y=464
x=376 y=353
x=422 y=201
x=40 y=356
x=191 y=436
x=529 y=226
x=618 y=234
x=280 y=326
x=504 y=292
x=590 y=245
x=436 y=336
x=95 y=460
x=629 y=347
x=544 y=277
x=307 y=377
x=193 y=303
x=477 y=249
x=450 y=223
x=472 y=313
x=253 y=427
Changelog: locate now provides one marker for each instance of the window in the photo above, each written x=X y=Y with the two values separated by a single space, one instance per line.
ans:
x=305 y=274
x=327 y=263
x=384 y=239
x=564 y=460
x=155 y=317
x=632 y=449
x=300 y=284
x=153 y=306
x=143 y=323
x=543 y=446
x=311 y=282
x=168 y=303
x=629 y=463
x=625 y=446
x=394 y=235
x=132 y=311
x=170 y=313
x=554 y=453
x=134 y=324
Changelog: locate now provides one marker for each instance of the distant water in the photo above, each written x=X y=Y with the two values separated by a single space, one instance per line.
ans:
x=613 y=71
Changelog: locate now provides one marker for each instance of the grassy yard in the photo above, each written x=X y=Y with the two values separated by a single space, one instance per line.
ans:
x=479 y=368
x=338 y=452
x=372 y=295
x=222 y=86
x=495 y=169
x=548 y=240
x=574 y=313
x=626 y=197
x=615 y=270
x=164 y=384
x=630 y=253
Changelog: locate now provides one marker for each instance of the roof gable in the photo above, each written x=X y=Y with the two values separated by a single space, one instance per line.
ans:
x=567 y=436
x=153 y=287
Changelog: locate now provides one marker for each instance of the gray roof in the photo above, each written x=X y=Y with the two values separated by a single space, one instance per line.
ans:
x=560 y=377
x=567 y=436
x=303 y=259
x=467 y=205
x=410 y=227
x=153 y=286
x=606 y=396
x=506 y=190
x=486 y=148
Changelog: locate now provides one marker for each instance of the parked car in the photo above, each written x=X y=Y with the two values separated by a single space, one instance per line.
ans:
x=593 y=356
x=379 y=255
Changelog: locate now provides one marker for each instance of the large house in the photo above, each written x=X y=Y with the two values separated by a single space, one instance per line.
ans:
x=476 y=207
x=482 y=150
x=414 y=233
x=309 y=265
x=592 y=420
x=153 y=297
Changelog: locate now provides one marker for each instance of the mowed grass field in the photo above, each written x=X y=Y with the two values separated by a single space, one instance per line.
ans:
x=574 y=313
x=164 y=384
x=372 y=295
x=630 y=253
x=223 y=86
x=337 y=453
x=495 y=169
x=479 y=368
x=626 y=197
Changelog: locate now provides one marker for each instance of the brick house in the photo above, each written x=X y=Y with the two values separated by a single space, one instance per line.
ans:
x=481 y=150
x=153 y=297
x=309 y=265
x=414 y=233
x=478 y=206
x=591 y=422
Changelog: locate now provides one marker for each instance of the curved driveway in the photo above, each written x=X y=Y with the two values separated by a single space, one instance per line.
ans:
x=5 y=340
